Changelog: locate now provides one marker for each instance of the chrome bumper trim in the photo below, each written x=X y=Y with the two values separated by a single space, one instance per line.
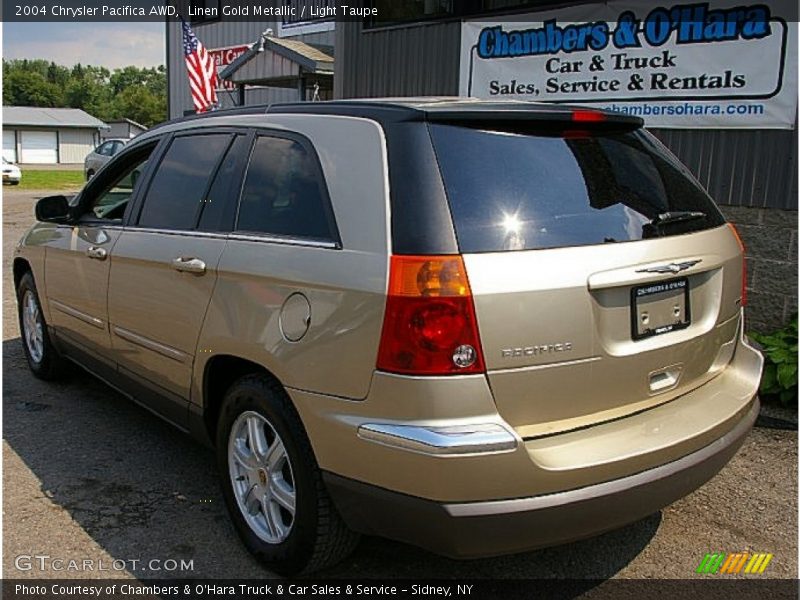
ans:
x=447 y=440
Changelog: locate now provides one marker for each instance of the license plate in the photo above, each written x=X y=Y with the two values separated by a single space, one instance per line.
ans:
x=658 y=308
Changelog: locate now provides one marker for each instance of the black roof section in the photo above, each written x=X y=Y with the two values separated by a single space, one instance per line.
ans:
x=433 y=109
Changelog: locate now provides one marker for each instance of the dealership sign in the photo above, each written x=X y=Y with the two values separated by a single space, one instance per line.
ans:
x=685 y=65
x=222 y=57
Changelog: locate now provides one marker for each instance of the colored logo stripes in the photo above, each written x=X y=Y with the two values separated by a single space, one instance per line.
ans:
x=738 y=562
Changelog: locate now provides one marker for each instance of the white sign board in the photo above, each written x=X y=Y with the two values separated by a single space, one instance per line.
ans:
x=722 y=65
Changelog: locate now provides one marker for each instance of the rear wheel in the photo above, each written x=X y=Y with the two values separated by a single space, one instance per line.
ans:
x=43 y=359
x=272 y=484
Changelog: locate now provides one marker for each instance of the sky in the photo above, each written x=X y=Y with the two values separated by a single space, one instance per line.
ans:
x=113 y=45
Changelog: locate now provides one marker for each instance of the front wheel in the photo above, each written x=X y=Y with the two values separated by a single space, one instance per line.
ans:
x=272 y=484
x=43 y=359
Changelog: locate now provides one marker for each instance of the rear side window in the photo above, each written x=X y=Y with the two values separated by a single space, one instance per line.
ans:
x=283 y=193
x=180 y=181
x=510 y=191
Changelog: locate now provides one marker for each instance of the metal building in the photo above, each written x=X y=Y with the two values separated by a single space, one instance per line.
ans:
x=122 y=128
x=34 y=135
x=264 y=61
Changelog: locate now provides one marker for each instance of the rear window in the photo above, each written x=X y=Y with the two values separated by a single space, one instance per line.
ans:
x=510 y=191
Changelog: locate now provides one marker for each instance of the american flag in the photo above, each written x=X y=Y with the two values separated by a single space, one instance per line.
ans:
x=202 y=71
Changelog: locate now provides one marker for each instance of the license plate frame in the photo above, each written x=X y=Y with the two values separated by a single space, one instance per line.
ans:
x=660 y=297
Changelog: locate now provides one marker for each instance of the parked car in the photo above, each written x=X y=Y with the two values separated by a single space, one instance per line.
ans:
x=12 y=174
x=101 y=155
x=476 y=327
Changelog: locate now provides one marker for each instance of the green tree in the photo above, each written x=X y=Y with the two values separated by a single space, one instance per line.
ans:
x=141 y=105
x=30 y=88
x=57 y=75
x=131 y=92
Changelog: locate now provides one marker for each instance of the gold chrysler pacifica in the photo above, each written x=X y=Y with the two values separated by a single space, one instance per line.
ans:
x=476 y=327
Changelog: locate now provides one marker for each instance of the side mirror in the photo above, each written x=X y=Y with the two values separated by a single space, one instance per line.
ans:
x=52 y=209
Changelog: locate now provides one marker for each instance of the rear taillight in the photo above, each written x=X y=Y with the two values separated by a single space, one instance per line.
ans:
x=430 y=326
x=744 y=263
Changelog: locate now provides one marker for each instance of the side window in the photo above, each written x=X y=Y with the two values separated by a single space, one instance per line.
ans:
x=180 y=181
x=103 y=149
x=219 y=206
x=115 y=147
x=110 y=201
x=283 y=192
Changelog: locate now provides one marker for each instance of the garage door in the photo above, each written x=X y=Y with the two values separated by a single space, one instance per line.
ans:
x=9 y=145
x=39 y=147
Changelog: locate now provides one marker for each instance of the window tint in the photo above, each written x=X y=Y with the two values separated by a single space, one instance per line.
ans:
x=517 y=192
x=219 y=207
x=174 y=197
x=282 y=192
x=112 y=199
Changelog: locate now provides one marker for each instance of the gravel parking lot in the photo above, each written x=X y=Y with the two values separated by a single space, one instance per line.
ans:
x=89 y=475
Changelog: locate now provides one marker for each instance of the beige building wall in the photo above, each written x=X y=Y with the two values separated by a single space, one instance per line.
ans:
x=75 y=144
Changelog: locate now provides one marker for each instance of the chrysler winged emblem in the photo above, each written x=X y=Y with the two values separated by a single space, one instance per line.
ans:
x=671 y=267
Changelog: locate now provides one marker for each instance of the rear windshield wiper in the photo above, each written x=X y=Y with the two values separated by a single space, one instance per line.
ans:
x=667 y=218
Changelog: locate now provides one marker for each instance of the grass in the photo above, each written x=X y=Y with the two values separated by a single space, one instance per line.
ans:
x=35 y=179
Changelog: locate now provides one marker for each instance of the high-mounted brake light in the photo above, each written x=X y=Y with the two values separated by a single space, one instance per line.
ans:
x=429 y=327
x=744 y=263
x=587 y=116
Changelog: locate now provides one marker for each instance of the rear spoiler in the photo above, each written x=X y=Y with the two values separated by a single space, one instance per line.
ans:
x=519 y=119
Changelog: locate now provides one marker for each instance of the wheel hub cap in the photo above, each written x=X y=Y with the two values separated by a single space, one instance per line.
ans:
x=32 y=326
x=262 y=477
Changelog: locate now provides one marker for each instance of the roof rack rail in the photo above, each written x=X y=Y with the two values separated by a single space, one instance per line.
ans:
x=387 y=110
x=253 y=109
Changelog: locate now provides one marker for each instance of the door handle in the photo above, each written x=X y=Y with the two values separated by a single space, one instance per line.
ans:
x=96 y=253
x=189 y=265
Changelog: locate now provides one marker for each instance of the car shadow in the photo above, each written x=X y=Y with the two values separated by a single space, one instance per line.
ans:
x=143 y=491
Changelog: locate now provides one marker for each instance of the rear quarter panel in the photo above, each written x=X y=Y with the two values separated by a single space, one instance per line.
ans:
x=345 y=287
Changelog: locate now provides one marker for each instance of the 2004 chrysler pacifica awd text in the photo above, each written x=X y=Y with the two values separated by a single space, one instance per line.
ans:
x=475 y=327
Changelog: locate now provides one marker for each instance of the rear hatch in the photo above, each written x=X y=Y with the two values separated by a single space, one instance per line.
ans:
x=605 y=280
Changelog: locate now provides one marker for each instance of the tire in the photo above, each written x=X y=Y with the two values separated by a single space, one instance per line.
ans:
x=15 y=182
x=43 y=359
x=257 y=484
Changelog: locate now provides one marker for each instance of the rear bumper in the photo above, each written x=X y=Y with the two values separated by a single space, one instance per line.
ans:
x=473 y=529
